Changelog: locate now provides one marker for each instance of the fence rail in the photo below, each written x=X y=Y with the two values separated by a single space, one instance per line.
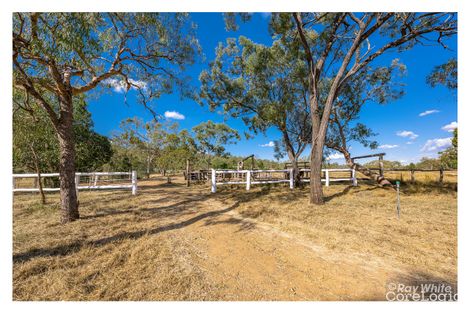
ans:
x=328 y=178
x=93 y=182
x=254 y=177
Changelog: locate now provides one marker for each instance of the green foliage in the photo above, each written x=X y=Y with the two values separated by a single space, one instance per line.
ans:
x=33 y=131
x=230 y=20
x=371 y=85
x=386 y=163
x=34 y=143
x=265 y=86
x=177 y=148
x=444 y=74
x=169 y=147
x=448 y=157
x=427 y=163
x=211 y=137
x=151 y=146
x=146 y=52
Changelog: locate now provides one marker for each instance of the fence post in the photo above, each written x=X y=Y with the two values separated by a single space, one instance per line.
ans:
x=95 y=179
x=248 y=180
x=354 y=179
x=134 y=183
x=291 y=178
x=441 y=175
x=381 y=165
x=77 y=182
x=213 y=181
x=327 y=178
x=188 y=175
x=412 y=176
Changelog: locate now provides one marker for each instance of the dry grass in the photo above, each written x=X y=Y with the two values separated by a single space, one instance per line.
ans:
x=125 y=248
x=362 y=221
x=115 y=252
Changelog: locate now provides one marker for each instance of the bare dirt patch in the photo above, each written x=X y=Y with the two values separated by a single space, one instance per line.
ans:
x=174 y=243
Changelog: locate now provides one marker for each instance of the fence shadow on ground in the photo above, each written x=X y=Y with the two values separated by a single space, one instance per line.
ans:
x=428 y=187
x=63 y=250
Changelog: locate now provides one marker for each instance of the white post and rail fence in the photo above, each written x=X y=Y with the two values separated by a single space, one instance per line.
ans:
x=253 y=177
x=93 y=182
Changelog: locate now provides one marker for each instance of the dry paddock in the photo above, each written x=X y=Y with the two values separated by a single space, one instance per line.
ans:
x=175 y=243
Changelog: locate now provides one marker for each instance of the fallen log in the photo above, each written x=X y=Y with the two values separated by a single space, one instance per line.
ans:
x=379 y=179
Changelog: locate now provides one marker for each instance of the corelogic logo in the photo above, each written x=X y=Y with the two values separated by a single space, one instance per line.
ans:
x=421 y=291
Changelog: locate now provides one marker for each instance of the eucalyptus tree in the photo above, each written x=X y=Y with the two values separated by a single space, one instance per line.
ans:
x=143 y=139
x=36 y=147
x=444 y=74
x=448 y=157
x=210 y=138
x=34 y=144
x=341 y=45
x=66 y=55
x=178 y=147
x=265 y=86
x=378 y=85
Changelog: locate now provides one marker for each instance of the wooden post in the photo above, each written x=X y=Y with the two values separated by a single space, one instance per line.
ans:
x=412 y=176
x=381 y=165
x=441 y=176
x=291 y=178
x=77 y=182
x=95 y=179
x=354 y=179
x=248 y=180
x=327 y=178
x=134 y=183
x=213 y=181
x=188 y=176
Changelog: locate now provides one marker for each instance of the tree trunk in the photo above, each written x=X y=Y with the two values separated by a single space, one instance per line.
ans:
x=316 y=190
x=296 y=172
x=148 y=166
x=68 y=194
x=41 y=191
x=38 y=171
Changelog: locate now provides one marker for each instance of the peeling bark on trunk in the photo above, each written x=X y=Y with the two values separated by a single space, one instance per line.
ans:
x=316 y=189
x=295 y=169
x=68 y=194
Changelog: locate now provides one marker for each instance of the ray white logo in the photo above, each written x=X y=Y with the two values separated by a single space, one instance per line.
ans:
x=421 y=291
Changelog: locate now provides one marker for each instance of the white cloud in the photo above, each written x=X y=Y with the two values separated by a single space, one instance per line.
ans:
x=428 y=112
x=407 y=134
x=386 y=146
x=450 y=127
x=174 y=115
x=335 y=156
x=409 y=142
x=269 y=144
x=437 y=144
x=120 y=86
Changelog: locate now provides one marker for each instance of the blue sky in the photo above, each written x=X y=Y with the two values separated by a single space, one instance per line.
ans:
x=420 y=135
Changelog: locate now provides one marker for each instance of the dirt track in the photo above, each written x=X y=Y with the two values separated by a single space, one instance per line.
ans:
x=117 y=251
x=254 y=261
